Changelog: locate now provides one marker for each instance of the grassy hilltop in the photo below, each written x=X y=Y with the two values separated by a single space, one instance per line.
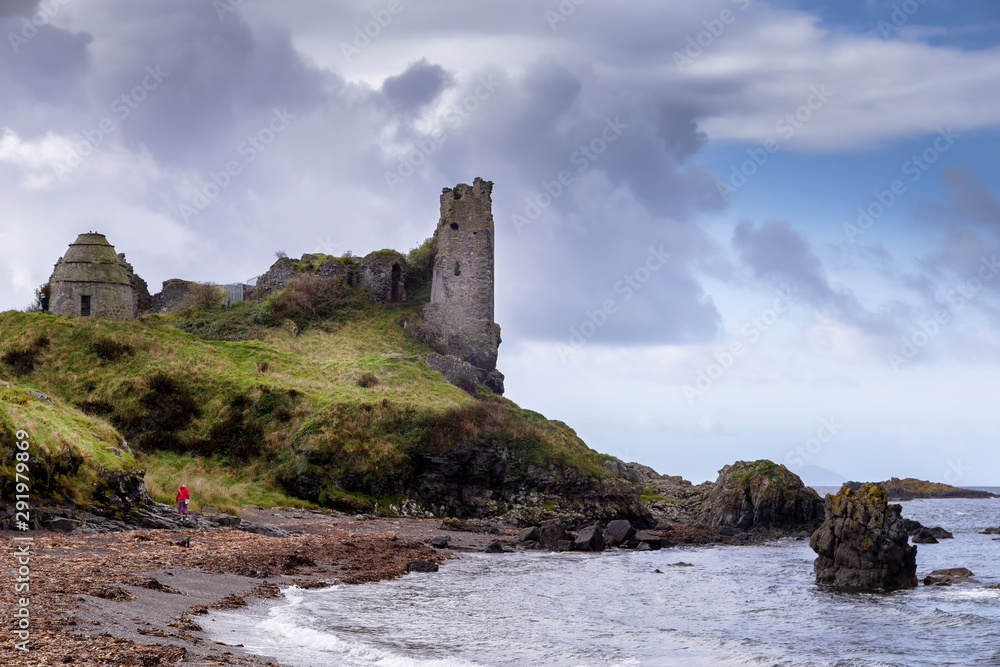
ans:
x=334 y=415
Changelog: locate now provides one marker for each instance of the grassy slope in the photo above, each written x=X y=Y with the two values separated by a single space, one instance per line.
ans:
x=243 y=414
x=67 y=447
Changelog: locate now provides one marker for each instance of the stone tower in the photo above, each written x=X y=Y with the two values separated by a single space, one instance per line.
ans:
x=92 y=280
x=460 y=314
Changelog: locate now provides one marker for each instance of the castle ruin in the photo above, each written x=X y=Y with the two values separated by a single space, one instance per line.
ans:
x=460 y=314
x=92 y=280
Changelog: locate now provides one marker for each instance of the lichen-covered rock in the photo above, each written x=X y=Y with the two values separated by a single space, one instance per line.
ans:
x=863 y=544
x=760 y=494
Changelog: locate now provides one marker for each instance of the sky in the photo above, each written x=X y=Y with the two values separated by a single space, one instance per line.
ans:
x=725 y=229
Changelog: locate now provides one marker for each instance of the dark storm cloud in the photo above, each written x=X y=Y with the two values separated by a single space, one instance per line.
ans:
x=41 y=64
x=418 y=86
x=18 y=8
x=630 y=188
x=223 y=78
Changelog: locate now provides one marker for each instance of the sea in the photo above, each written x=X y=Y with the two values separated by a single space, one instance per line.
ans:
x=735 y=605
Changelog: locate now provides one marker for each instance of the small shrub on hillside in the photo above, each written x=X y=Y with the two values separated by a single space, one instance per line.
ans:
x=202 y=297
x=23 y=361
x=168 y=406
x=96 y=408
x=110 y=350
x=307 y=298
x=367 y=380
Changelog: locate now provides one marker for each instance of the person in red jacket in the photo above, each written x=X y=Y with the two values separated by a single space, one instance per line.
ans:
x=182 y=501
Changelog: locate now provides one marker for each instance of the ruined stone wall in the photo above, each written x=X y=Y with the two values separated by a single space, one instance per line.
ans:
x=141 y=299
x=172 y=295
x=460 y=313
x=383 y=272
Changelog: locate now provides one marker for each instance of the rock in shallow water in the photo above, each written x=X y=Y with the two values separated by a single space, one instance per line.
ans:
x=618 y=532
x=950 y=577
x=529 y=534
x=589 y=539
x=550 y=536
x=924 y=536
x=420 y=565
x=863 y=544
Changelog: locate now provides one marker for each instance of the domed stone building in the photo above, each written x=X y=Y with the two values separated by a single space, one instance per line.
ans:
x=92 y=280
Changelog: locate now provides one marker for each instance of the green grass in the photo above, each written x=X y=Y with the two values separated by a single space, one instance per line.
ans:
x=262 y=421
x=212 y=482
x=744 y=471
x=68 y=449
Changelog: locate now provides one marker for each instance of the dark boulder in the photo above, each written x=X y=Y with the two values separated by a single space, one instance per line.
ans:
x=420 y=565
x=440 y=542
x=913 y=528
x=950 y=577
x=564 y=545
x=924 y=536
x=862 y=544
x=760 y=494
x=550 y=535
x=264 y=529
x=589 y=539
x=654 y=541
x=529 y=535
x=223 y=519
x=495 y=548
x=618 y=532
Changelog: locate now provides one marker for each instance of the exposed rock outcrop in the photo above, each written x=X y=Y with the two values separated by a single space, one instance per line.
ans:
x=910 y=489
x=760 y=494
x=862 y=544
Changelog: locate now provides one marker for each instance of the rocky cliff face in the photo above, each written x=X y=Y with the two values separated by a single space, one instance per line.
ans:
x=760 y=494
x=863 y=544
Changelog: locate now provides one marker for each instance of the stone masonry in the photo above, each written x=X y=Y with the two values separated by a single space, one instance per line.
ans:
x=460 y=314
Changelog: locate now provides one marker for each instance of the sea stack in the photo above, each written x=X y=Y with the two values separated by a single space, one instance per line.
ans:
x=862 y=543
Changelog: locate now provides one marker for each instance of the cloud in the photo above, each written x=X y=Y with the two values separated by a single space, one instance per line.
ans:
x=415 y=88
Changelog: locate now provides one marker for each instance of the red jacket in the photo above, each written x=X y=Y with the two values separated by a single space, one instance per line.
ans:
x=182 y=493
